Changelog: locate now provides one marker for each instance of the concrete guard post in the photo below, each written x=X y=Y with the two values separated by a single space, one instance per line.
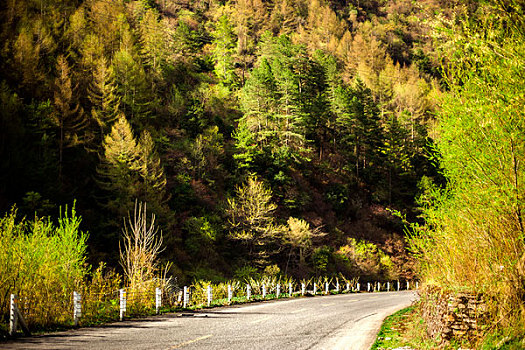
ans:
x=123 y=303
x=77 y=308
x=158 y=300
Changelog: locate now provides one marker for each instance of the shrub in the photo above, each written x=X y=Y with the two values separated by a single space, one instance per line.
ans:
x=367 y=259
x=43 y=263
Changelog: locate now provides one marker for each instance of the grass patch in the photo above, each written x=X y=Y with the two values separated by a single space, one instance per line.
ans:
x=405 y=328
x=503 y=342
x=392 y=331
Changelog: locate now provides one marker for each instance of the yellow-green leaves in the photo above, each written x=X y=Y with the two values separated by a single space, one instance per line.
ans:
x=250 y=217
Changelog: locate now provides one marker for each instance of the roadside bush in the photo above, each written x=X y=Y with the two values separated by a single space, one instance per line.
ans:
x=366 y=260
x=42 y=263
x=473 y=239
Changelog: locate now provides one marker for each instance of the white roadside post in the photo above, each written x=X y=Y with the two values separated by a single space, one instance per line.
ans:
x=158 y=300
x=348 y=287
x=398 y=285
x=326 y=288
x=388 y=286
x=185 y=297
x=13 y=320
x=303 y=289
x=378 y=286
x=358 y=287
x=337 y=287
x=368 y=286
x=209 y=296
x=290 y=290
x=248 y=292
x=278 y=291
x=408 y=285
x=315 y=288
x=417 y=285
x=77 y=308
x=264 y=292
x=16 y=318
x=123 y=303
x=229 y=293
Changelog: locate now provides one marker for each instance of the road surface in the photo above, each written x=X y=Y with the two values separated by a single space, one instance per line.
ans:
x=345 y=321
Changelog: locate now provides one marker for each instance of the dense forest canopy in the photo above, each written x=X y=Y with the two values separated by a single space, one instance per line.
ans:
x=266 y=138
x=260 y=133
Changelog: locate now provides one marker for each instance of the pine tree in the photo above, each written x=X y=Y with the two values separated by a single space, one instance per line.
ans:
x=131 y=170
x=397 y=155
x=289 y=121
x=259 y=101
x=411 y=103
x=277 y=95
x=368 y=132
x=109 y=24
x=358 y=123
x=102 y=93
x=250 y=18
x=154 y=40
x=68 y=115
x=151 y=172
x=134 y=88
x=246 y=147
x=27 y=58
x=322 y=30
x=224 y=50
x=116 y=171
x=251 y=221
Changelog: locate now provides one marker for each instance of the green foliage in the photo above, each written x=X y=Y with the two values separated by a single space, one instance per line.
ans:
x=207 y=153
x=177 y=105
x=473 y=237
x=367 y=260
x=245 y=272
x=299 y=236
x=246 y=147
x=99 y=296
x=43 y=263
x=201 y=236
x=337 y=195
x=154 y=40
x=251 y=219
x=390 y=335
x=103 y=97
x=503 y=342
x=133 y=86
x=34 y=204
x=224 y=50
x=272 y=270
x=274 y=96
x=130 y=170
x=321 y=259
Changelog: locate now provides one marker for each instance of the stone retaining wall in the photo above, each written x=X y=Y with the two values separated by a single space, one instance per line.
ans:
x=450 y=315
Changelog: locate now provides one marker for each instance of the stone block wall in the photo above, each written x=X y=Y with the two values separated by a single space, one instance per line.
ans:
x=452 y=315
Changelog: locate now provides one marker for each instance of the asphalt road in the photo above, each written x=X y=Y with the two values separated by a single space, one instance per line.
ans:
x=346 y=321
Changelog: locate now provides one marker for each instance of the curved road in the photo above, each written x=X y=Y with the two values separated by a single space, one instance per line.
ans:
x=345 y=321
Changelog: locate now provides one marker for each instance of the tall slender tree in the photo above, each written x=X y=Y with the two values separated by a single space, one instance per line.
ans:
x=68 y=115
x=102 y=93
x=116 y=173
x=251 y=221
x=224 y=51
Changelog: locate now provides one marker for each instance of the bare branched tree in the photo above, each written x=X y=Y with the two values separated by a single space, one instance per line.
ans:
x=142 y=243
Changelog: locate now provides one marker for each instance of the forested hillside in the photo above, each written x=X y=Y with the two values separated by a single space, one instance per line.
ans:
x=260 y=133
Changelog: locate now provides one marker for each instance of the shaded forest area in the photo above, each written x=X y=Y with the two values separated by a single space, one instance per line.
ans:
x=264 y=135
